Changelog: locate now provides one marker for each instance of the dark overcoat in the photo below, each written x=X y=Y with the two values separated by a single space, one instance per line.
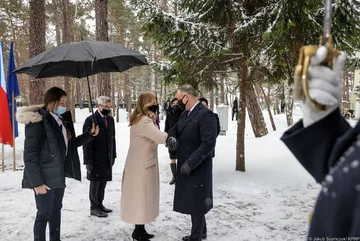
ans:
x=330 y=151
x=196 y=135
x=101 y=151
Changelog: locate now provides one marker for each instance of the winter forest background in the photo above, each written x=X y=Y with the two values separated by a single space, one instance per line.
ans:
x=223 y=48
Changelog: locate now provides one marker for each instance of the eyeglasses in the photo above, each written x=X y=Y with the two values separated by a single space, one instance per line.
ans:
x=106 y=107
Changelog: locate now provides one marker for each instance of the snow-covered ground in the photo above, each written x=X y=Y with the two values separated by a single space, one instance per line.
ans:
x=270 y=201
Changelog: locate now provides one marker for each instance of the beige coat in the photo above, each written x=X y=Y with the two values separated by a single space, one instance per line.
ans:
x=140 y=181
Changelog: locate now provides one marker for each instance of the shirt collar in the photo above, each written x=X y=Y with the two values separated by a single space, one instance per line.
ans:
x=194 y=106
x=102 y=116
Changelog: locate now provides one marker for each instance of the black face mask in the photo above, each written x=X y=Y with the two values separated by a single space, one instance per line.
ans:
x=154 y=108
x=181 y=104
x=105 y=112
x=176 y=108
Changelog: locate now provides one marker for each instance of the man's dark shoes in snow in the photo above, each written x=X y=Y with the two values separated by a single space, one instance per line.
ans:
x=98 y=213
x=105 y=210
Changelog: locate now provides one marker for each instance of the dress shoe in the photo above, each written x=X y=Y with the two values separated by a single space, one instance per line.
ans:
x=98 y=213
x=105 y=210
x=187 y=237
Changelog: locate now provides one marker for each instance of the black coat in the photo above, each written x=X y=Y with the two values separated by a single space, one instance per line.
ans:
x=101 y=151
x=196 y=138
x=45 y=150
x=329 y=150
x=235 y=105
x=171 y=119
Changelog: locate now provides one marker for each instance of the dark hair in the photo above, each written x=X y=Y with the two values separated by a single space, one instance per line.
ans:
x=202 y=99
x=53 y=94
x=173 y=100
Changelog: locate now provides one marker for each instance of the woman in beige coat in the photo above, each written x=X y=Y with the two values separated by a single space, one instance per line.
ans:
x=140 y=181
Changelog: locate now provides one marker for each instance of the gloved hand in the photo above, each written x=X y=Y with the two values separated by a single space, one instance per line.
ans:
x=172 y=143
x=185 y=169
x=89 y=168
x=325 y=86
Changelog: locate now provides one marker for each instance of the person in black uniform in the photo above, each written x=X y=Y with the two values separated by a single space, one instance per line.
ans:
x=172 y=117
x=329 y=149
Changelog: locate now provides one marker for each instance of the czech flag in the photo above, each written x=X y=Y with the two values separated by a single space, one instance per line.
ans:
x=5 y=123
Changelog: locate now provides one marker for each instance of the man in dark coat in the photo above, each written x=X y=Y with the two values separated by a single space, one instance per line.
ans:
x=195 y=136
x=329 y=149
x=99 y=156
x=235 y=109
x=206 y=103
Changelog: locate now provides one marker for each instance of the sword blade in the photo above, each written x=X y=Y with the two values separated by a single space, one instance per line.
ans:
x=327 y=21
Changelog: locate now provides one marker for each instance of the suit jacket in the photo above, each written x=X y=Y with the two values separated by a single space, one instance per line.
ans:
x=196 y=136
x=329 y=150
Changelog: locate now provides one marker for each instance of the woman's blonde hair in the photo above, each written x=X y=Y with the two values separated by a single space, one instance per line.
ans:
x=143 y=103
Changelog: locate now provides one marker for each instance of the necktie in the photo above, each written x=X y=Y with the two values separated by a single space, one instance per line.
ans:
x=188 y=113
x=105 y=120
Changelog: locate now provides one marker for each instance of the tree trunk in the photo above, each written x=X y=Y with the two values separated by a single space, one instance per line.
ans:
x=36 y=46
x=69 y=87
x=240 y=144
x=127 y=92
x=104 y=84
x=222 y=89
x=288 y=103
x=267 y=101
x=212 y=100
x=255 y=114
x=57 y=22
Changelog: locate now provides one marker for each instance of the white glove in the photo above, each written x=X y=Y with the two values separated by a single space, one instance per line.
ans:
x=325 y=86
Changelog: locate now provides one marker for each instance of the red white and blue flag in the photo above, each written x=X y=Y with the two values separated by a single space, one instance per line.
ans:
x=5 y=123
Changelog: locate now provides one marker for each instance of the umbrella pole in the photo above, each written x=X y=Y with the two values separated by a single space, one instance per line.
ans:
x=90 y=102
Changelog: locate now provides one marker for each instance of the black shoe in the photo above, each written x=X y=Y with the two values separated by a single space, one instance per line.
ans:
x=105 y=210
x=139 y=237
x=98 y=213
x=187 y=237
x=173 y=171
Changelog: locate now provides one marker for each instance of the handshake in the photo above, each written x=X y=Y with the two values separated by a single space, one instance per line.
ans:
x=172 y=143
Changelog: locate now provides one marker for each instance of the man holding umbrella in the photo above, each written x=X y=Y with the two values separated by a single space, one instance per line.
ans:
x=99 y=156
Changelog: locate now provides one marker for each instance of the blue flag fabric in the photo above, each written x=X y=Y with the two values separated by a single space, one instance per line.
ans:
x=12 y=85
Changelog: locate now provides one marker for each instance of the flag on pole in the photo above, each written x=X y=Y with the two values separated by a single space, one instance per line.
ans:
x=12 y=86
x=5 y=124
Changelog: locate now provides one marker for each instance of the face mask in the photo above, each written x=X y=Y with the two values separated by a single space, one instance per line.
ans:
x=154 y=108
x=60 y=110
x=181 y=104
x=105 y=112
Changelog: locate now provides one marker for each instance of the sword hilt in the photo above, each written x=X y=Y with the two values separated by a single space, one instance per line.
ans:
x=301 y=76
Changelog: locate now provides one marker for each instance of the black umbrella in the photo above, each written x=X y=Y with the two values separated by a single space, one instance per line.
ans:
x=82 y=59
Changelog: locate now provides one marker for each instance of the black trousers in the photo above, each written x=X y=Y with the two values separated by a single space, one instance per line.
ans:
x=97 y=194
x=234 y=113
x=198 y=228
x=48 y=210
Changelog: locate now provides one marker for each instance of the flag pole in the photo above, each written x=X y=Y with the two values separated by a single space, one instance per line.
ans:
x=13 y=129
x=3 y=157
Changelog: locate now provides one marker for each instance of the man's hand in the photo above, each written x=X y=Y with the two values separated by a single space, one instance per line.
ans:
x=172 y=143
x=185 y=169
x=325 y=86
x=94 y=130
x=41 y=189
x=89 y=168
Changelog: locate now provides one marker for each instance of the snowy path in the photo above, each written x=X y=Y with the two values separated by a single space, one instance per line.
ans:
x=270 y=201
